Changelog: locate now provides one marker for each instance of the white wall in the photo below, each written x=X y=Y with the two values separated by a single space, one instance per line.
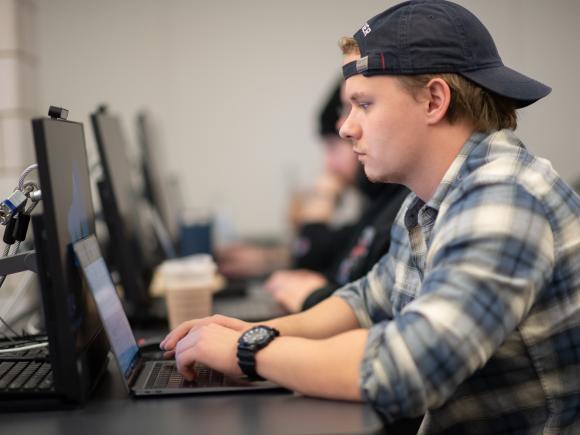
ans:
x=18 y=65
x=236 y=86
x=18 y=89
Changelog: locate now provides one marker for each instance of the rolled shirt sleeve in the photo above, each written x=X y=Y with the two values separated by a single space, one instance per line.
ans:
x=370 y=297
x=491 y=253
x=366 y=294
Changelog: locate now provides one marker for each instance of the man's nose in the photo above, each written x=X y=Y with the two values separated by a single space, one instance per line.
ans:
x=349 y=130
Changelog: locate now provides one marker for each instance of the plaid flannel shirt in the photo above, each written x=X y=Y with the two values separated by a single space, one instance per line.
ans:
x=474 y=314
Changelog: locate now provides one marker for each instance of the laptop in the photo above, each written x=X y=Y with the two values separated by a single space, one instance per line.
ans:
x=144 y=376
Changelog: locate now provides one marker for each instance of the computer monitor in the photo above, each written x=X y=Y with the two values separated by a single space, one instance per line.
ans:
x=132 y=254
x=78 y=345
x=152 y=183
x=156 y=189
x=116 y=167
x=164 y=194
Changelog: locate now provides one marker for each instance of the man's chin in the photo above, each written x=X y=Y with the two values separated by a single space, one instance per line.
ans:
x=378 y=178
x=373 y=178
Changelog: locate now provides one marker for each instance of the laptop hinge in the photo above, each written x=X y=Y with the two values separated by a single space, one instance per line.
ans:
x=135 y=369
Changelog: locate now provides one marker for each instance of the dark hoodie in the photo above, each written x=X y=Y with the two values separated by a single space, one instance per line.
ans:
x=356 y=249
x=347 y=253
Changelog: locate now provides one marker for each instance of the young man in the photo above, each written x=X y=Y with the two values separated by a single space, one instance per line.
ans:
x=473 y=316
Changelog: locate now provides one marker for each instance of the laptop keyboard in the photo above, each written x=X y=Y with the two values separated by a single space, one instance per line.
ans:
x=165 y=375
x=25 y=371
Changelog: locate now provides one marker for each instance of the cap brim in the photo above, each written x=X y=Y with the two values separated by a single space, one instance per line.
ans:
x=508 y=83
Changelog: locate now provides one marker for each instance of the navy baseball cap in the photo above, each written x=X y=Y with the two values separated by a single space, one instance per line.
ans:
x=438 y=36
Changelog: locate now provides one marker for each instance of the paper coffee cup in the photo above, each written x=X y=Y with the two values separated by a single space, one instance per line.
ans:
x=188 y=286
x=188 y=302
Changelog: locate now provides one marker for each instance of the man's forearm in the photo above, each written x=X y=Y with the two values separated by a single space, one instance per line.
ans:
x=329 y=318
x=328 y=368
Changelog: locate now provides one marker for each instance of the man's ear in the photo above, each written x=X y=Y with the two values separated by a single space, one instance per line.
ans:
x=439 y=98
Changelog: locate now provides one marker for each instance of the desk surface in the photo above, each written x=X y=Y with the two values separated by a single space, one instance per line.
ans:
x=112 y=412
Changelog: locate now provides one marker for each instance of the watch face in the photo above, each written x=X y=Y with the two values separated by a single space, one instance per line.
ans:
x=257 y=335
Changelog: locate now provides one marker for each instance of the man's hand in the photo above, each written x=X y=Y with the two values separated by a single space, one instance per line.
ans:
x=210 y=344
x=170 y=342
x=291 y=287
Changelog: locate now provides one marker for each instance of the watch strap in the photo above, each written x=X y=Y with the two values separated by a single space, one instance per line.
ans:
x=247 y=363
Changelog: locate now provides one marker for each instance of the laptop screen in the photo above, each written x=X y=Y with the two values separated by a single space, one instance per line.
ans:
x=115 y=321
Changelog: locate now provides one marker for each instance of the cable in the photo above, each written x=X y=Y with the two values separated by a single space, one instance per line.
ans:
x=9 y=303
x=16 y=248
x=29 y=209
x=32 y=191
x=2 y=278
x=4 y=254
x=27 y=347
x=7 y=326
x=24 y=174
x=16 y=334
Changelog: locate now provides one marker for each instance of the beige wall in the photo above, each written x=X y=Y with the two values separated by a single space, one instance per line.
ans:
x=18 y=90
x=235 y=85
x=18 y=93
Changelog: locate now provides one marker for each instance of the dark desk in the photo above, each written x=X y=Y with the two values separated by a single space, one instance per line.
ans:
x=112 y=412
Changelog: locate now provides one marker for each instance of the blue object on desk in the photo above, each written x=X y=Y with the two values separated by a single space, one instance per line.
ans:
x=195 y=238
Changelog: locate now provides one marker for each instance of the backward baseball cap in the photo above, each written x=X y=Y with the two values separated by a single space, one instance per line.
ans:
x=438 y=36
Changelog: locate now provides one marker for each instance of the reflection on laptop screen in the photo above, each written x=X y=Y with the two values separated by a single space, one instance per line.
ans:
x=109 y=306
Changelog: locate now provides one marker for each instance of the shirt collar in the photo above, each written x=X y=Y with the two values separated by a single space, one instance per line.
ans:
x=451 y=177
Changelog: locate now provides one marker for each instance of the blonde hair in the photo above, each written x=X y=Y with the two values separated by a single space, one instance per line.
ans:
x=348 y=45
x=470 y=102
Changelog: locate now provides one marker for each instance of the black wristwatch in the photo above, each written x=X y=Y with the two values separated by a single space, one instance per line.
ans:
x=249 y=343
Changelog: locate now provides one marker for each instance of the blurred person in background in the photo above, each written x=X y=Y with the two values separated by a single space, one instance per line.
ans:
x=359 y=246
x=323 y=217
